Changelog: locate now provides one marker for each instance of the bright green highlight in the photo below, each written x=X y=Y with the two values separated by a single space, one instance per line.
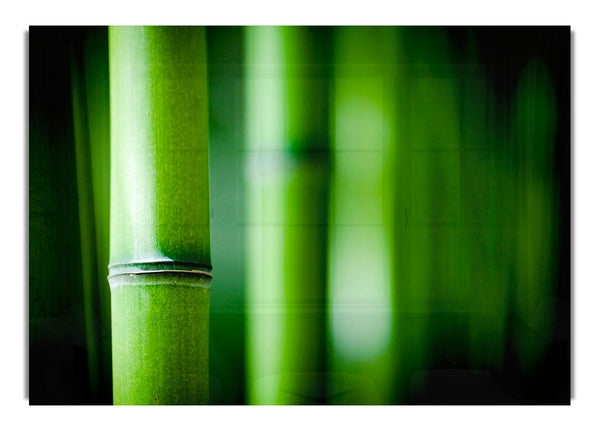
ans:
x=287 y=177
x=159 y=212
x=265 y=169
x=360 y=294
x=159 y=138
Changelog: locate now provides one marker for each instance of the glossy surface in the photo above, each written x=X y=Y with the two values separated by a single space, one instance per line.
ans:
x=159 y=214
x=159 y=140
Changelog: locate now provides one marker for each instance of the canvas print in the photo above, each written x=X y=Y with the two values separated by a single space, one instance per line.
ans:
x=299 y=215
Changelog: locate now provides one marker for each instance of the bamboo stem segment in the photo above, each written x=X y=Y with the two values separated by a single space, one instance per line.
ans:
x=160 y=243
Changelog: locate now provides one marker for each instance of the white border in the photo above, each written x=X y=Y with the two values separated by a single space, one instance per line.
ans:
x=584 y=411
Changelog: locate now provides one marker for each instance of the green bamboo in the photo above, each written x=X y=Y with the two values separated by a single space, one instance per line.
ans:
x=428 y=224
x=307 y=53
x=86 y=219
x=160 y=243
x=534 y=132
x=225 y=50
x=95 y=65
x=360 y=285
x=89 y=94
x=287 y=89
x=410 y=330
x=265 y=212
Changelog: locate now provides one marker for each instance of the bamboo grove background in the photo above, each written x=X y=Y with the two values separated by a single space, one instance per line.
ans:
x=390 y=215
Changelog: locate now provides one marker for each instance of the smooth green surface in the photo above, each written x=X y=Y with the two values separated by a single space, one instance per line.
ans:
x=287 y=92
x=359 y=260
x=307 y=55
x=227 y=297
x=265 y=141
x=159 y=140
x=159 y=213
x=160 y=333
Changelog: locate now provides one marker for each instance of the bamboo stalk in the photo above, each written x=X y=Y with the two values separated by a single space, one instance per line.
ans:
x=89 y=93
x=160 y=243
x=534 y=133
x=307 y=52
x=287 y=89
x=265 y=136
x=86 y=219
x=95 y=73
x=360 y=318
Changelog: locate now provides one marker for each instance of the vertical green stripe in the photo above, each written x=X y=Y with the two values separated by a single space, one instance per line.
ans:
x=265 y=168
x=287 y=88
x=96 y=70
x=360 y=291
x=159 y=212
x=534 y=131
x=86 y=219
x=159 y=135
x=306 y=206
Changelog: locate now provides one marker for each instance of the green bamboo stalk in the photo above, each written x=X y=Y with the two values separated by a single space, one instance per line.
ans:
x=409 y=326
x=534 y=132
x=484 y=263
x=95 y=65
x=360 y=285
x=86 y=219
x=90 y=94
x=160 y=243
x=428 y=245
x=307 y=54
x=287 y=88
x=265 y=212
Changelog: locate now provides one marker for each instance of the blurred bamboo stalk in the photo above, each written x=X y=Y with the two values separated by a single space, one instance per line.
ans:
x=360 y=295
x=90 y=107
x=264 y=123
x=287 y=89
x=86 y=219
x=307 y=57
